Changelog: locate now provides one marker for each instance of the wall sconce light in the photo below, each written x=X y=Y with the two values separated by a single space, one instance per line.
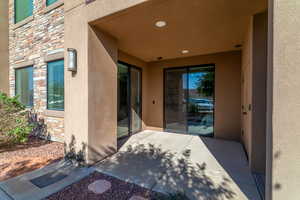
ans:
x=72 y=60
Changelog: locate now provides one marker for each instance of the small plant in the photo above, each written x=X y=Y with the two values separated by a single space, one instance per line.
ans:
x=14 y=124
x=10 y=104
x=21 y=131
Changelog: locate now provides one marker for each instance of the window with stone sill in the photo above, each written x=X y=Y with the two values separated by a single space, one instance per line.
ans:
x=23 y=9
x=55 y=85
x=49 y=2
x=24 y=85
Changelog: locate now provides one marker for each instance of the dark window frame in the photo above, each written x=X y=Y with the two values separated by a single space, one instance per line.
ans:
x=188 y=67
x=130 y=66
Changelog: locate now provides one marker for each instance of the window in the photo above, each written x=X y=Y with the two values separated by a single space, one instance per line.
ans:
x=49 y=2
x=24 y=85
x=55 y=85
x=23 y=9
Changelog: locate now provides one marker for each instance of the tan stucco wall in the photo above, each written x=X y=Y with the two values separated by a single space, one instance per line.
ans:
x=259 y=81
x=254 y=77
x=4 y=68
x=102 y=95
x=283 y=98
x=227 y=91
x=76 y=85
x=246 y=115
x=90 y=94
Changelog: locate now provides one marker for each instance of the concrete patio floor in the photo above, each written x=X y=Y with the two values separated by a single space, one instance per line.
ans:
x=204 y=168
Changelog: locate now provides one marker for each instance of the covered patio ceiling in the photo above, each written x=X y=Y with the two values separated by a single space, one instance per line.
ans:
x=199 y=26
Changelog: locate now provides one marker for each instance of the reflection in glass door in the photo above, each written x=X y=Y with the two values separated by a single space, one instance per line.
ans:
x=129 y=100
x=189 y=100
x=175 y=100
x=200 y=115
x=123 y=101
x=135 y=99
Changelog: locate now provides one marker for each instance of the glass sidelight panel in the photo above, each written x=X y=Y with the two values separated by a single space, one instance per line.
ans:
x=129 y=100
x=200 y=115
x=175 y=100
x=123 y=101
x=135 y=99
x=189 y=100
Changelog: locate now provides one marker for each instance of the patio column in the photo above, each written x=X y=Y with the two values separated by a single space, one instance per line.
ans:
x=91 y=92
x=283 y=101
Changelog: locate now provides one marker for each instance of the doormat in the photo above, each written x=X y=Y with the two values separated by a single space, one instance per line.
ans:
x=48 y=179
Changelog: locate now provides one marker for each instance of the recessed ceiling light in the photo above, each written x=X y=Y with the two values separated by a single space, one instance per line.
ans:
x=185 y=51
x=160 y=24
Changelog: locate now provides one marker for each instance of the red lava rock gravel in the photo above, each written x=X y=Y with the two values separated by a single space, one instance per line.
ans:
x=34 y=154
x=120 y=190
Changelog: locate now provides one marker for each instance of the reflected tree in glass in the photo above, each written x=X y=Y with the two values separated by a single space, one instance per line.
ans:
x=55 y=85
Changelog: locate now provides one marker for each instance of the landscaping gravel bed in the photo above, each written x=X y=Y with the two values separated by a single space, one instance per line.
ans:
x=118 y=190
x=34 y=154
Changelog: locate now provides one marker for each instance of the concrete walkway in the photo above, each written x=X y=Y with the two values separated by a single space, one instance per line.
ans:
x=203 y=168
x=43 y=182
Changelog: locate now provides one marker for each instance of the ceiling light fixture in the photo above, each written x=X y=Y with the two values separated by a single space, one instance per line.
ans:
x=185 y=51
x=160 y=24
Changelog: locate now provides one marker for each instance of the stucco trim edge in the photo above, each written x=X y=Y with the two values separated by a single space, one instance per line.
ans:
x=24 y=64
x=23 y=22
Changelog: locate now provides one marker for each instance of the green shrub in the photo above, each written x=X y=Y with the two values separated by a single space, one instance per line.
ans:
x=14 y=123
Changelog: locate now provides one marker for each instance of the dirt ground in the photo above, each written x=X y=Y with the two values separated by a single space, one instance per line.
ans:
x=34 y=154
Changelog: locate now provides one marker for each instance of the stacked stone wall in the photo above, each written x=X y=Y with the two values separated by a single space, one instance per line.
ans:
x=32 y=42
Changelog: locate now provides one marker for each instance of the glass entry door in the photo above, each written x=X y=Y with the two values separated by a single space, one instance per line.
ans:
x=129 y=100
x=135 y=99
x=189 y=100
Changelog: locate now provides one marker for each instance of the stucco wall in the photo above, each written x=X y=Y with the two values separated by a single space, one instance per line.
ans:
x=283 y=101
x=102 y=93
x=227 y=91
x=4 y=46
x=246 y=114
x=93 y=128
x=254 y=77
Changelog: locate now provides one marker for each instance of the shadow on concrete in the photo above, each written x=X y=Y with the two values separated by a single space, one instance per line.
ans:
x=162 y=170
x=235 y=166
x=78 y=154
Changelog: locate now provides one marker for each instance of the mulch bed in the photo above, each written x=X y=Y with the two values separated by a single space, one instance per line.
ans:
x=34 y=154
x=120 y=190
